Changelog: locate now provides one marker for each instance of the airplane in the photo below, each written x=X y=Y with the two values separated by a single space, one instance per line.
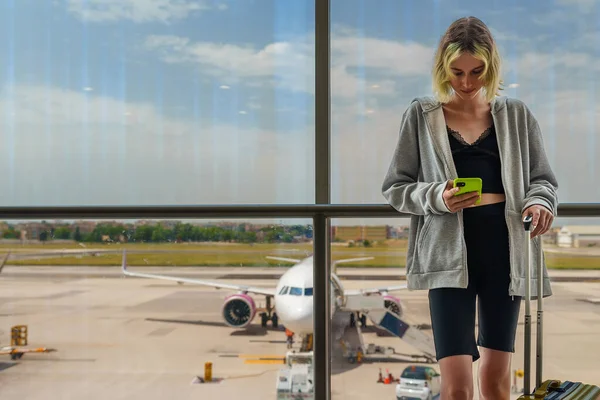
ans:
x=293 y=296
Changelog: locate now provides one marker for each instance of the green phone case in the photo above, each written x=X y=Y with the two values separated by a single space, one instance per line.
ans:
x=470 y=185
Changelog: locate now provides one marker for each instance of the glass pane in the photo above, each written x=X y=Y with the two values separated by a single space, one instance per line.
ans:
x=382 y=56
x=141 y=102
x=86 y=327
x=401 y=337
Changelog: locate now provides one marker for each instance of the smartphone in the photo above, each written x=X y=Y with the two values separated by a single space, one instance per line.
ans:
x=468 y=185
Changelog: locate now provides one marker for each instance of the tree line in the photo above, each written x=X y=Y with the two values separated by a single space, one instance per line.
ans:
x=181 y=232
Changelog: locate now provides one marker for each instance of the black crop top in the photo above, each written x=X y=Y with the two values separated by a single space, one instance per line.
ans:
x=478 y=160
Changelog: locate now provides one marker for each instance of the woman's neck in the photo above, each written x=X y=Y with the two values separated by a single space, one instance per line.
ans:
x=469 y=106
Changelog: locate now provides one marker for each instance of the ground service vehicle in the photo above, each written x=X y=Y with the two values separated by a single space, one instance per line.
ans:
x=418 y=382
x=296 y=380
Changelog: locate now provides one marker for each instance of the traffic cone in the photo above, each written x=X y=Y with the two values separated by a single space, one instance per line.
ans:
x=390 y=377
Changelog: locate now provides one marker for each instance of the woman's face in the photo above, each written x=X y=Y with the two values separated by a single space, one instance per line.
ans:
x=467 y=69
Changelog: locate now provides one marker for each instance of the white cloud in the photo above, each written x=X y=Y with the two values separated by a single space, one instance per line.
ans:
x=284 y=63
x=537 y=65
x=60 y=108
x=584 y=5
x=83 y=148
x=135 y=10
x=356 y=63
x=572 y=14
x=390 y=57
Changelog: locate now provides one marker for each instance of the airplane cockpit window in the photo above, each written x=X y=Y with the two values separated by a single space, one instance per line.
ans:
x=295 y=291
x=308 y=291
x=284 y=290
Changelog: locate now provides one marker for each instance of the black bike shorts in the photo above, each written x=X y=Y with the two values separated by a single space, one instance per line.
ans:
x=453 y=309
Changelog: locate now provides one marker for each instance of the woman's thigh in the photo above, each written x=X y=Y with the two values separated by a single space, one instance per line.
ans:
x=452 y=313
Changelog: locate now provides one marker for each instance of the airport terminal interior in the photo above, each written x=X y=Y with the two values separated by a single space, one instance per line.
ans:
x=192 y=197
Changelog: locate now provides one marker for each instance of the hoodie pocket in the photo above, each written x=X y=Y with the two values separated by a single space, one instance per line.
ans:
x=440 y=244
x=425 y=228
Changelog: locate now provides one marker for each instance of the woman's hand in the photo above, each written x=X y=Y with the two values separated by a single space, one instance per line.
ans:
x=542 y=219
x=456 y=203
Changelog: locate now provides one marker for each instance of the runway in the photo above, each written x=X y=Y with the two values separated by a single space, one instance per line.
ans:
x=126 y=338
x=265 y=273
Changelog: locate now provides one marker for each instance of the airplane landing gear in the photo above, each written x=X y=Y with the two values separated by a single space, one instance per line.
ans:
x=269 y=315
x=361 y=318
x=265 y=317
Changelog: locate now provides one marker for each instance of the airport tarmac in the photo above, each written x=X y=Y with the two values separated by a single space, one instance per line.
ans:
x=128 y=338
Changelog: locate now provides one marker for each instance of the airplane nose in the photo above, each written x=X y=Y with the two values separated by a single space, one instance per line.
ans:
x=303 y=322
x=306 y=317
x=299 y=320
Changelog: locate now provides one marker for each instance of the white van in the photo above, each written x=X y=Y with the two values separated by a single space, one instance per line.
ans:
x=418 y=382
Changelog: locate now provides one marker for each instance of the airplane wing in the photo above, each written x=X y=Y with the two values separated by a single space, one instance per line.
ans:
x=4 y=261
x=348 y=260
x=292 y=260
x=383 y=290
x=354 y=292
x=217 y=285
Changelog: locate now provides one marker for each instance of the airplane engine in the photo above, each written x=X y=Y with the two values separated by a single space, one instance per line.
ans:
x=238 y=310
x=393 y=304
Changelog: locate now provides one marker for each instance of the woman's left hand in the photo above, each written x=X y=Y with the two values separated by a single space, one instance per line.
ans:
x=542 y=219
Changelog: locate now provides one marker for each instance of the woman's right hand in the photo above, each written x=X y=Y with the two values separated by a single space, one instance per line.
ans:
x=457 y=203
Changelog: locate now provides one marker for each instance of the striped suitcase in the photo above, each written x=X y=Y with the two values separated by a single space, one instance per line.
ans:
x=549 y=389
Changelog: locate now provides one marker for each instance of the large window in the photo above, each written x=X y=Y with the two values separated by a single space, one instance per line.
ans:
x=111 y=308
x=381 y=58
x=156 y=102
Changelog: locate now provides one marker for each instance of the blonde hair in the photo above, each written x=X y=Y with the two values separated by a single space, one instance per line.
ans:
x=471 y=35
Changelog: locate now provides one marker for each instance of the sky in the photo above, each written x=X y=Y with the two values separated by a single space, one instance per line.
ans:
x=165 y=102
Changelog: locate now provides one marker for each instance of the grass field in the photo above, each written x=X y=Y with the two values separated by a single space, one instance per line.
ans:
x=163 y=246
x=389 y=254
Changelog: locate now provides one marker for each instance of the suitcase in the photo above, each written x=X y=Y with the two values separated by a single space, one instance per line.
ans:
x=549 y=389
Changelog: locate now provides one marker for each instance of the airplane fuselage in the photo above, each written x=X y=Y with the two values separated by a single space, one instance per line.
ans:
x=294 y=298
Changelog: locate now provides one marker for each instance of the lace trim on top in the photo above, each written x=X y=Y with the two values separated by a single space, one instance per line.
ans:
x=458 y=136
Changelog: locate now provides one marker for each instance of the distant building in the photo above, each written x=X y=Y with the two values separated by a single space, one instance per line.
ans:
x=401 y=232
x=32 y=230
x=84 y=226
x=578 y=236
x=359 y=233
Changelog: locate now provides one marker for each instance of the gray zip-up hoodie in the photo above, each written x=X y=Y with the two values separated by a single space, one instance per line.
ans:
x=422 y=164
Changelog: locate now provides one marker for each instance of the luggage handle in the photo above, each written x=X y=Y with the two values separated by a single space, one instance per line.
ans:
x=527 y=221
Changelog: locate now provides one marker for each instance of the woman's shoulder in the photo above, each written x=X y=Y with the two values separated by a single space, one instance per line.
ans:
x=424 y=103
x=512 y=104
x=416 y=107
x=517 y=112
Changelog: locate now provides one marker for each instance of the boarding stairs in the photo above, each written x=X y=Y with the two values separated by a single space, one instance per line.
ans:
x=373 y=307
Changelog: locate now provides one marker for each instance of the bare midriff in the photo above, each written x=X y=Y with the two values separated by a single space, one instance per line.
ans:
x=491 y=198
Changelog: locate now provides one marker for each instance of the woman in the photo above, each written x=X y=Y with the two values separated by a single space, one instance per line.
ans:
x=459 y=251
